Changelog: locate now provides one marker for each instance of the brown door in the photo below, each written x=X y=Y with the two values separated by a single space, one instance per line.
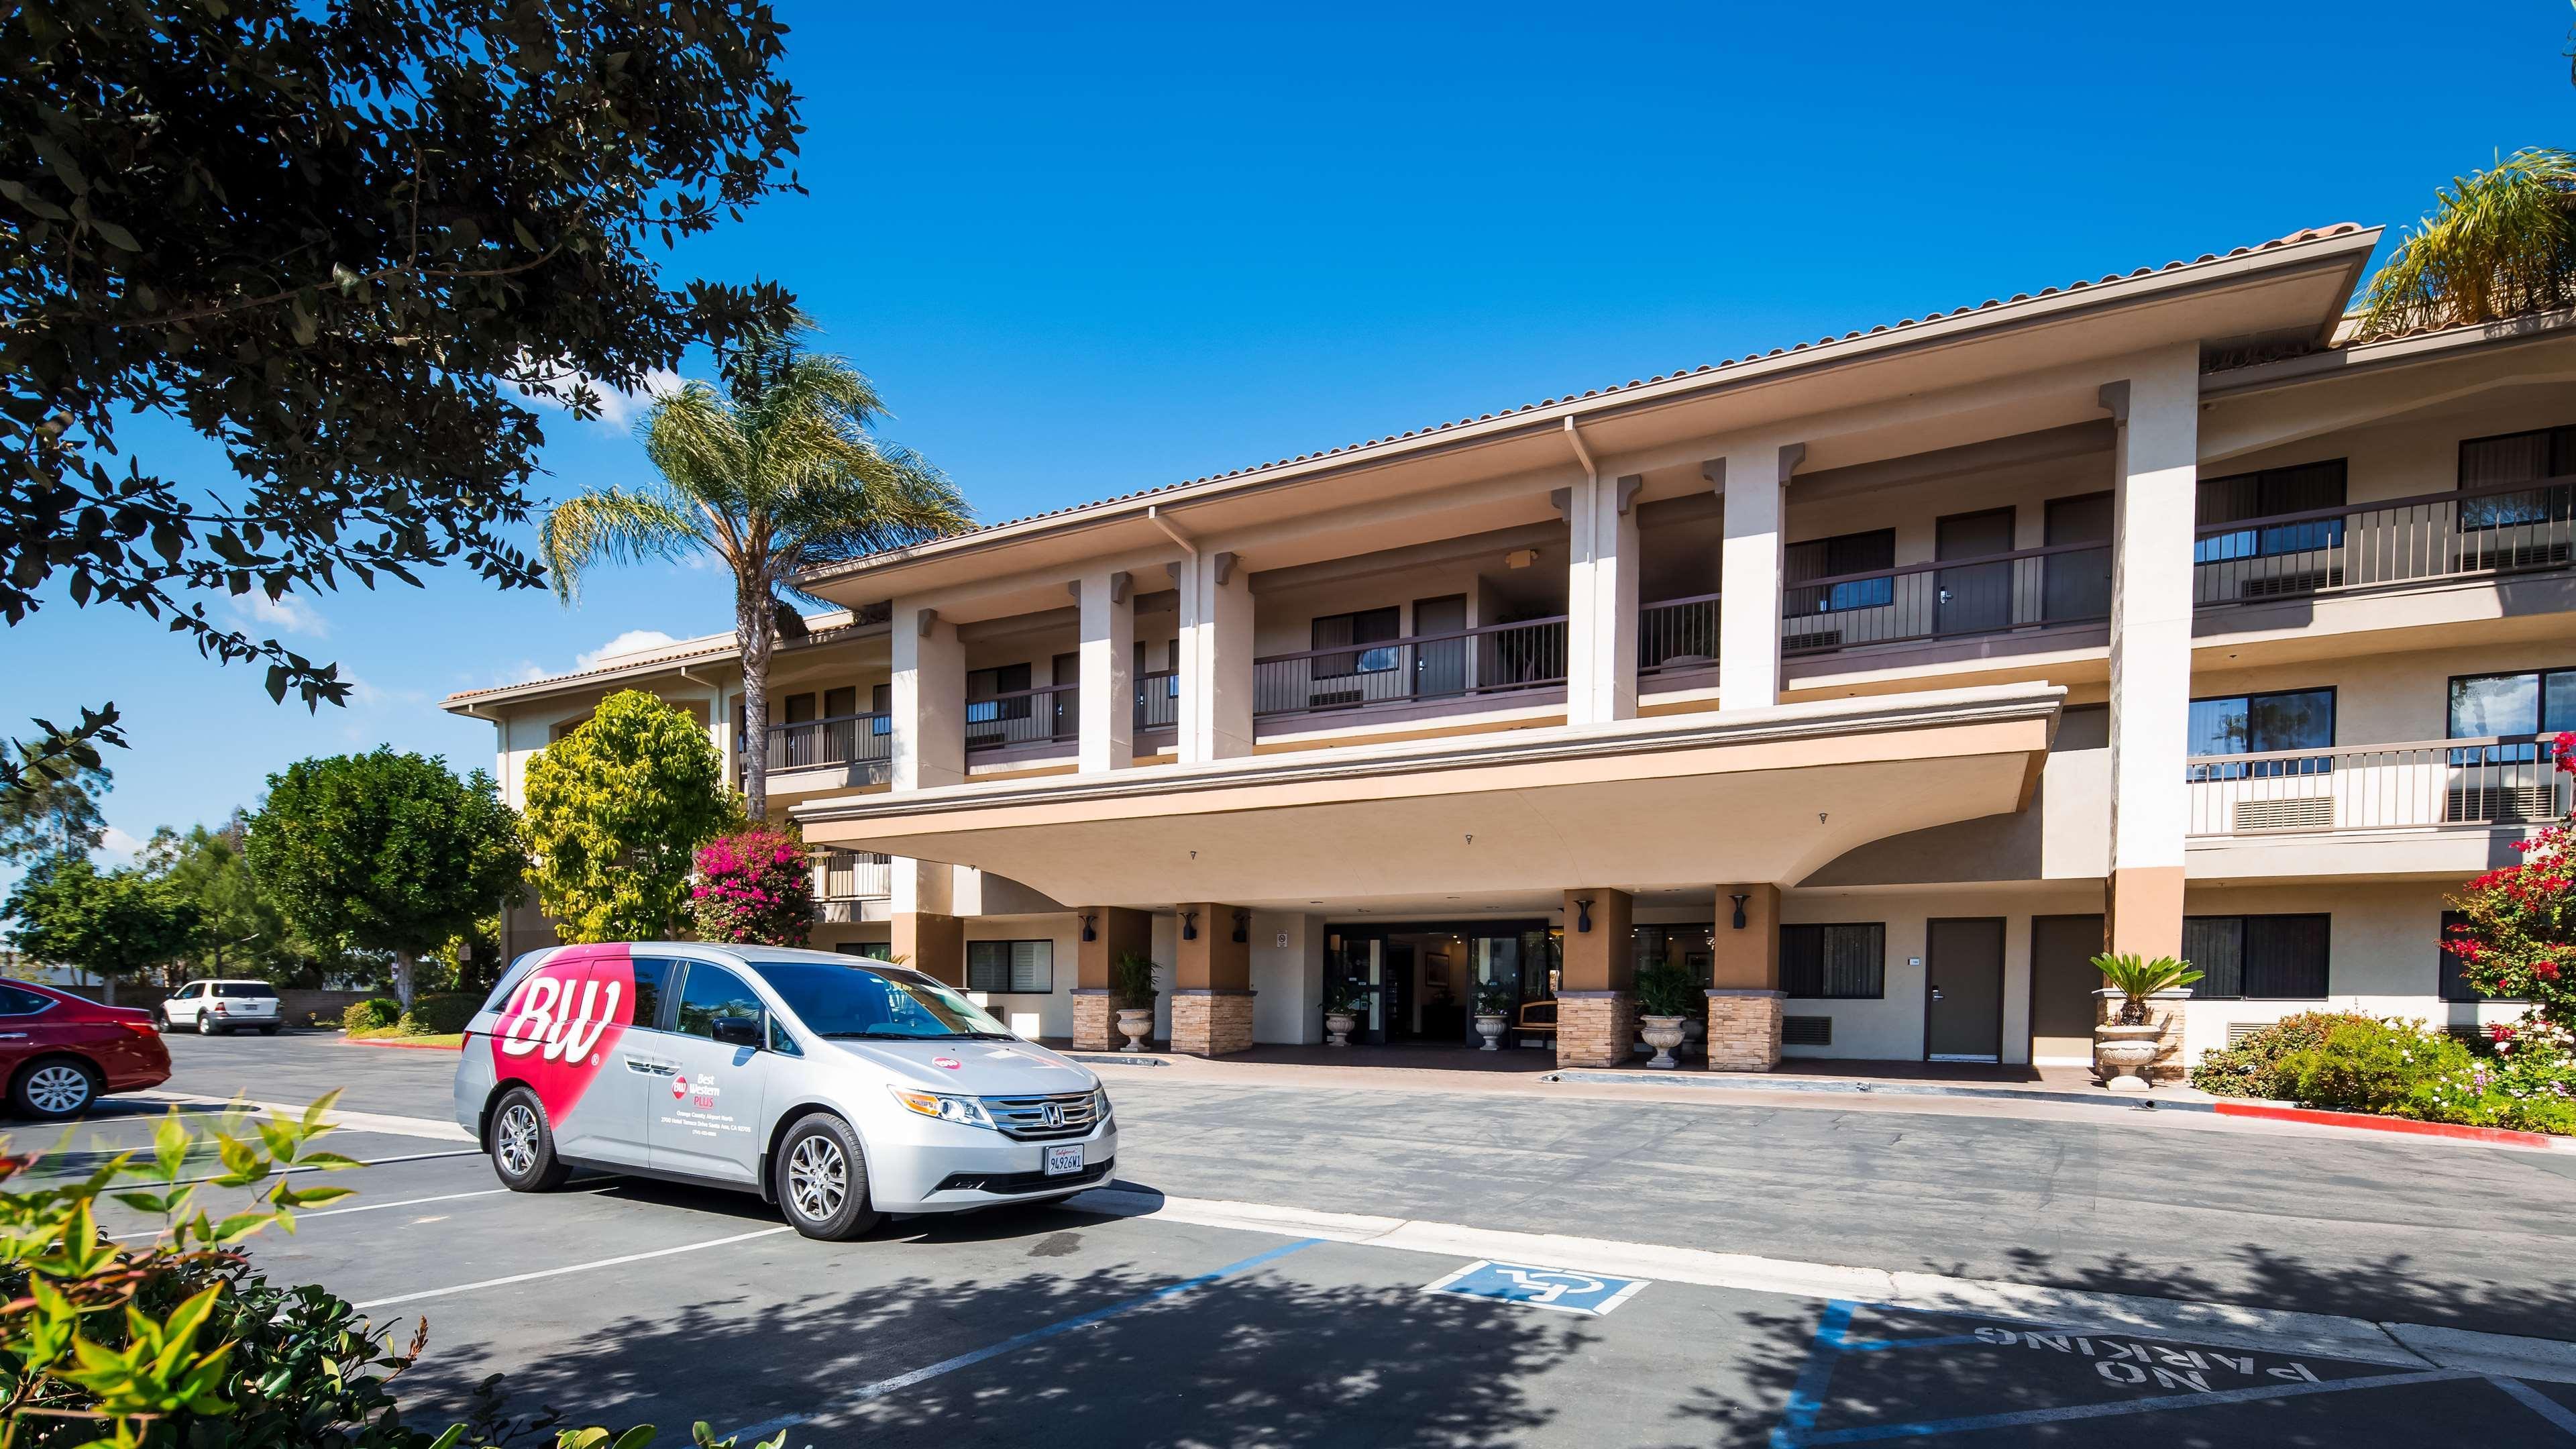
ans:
x=2062 y=983
x=1440 y=667
x=1963 y=1015
x=1067 y=713
x=2077 y=586
x=1978 y=598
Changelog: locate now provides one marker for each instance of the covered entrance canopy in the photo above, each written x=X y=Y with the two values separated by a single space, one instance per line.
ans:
x=1752 y=795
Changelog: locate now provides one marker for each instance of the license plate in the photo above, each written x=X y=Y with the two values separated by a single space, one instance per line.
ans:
x=1061 y=1160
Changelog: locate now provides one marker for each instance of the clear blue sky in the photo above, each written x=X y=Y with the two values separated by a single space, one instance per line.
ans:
x=1084 y=253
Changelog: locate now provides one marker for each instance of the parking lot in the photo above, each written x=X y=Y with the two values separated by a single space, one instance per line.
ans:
x=1264 y=1273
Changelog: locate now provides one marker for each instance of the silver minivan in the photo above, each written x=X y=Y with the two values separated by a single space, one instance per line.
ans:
x=837 y=1087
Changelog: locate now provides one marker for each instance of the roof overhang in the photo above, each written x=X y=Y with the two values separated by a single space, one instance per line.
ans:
x=1684 y=800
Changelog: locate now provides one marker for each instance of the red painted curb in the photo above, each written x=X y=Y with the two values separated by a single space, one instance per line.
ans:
x=398 y=1044
x=2499 y=1136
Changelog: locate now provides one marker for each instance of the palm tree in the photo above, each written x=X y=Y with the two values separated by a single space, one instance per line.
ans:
x=2499 y=243
x=777 y=473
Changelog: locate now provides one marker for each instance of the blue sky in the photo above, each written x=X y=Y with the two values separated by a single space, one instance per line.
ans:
x=1083 y=253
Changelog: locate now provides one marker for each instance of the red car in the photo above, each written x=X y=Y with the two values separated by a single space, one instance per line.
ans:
x=63 y=1052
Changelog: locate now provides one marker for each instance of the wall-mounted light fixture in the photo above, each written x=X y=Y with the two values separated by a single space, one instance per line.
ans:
x=1739 y=908
x=1242 y=925
x=1189 y=925
x=1583 y=916
x=1090 y=934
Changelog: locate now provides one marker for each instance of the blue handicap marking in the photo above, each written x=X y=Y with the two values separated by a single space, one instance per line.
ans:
x=1562 y=1289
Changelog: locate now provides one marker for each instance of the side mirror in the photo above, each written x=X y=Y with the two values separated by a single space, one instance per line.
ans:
x=741 y=1031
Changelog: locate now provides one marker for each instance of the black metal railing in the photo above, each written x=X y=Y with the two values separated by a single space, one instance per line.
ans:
x=1676 y=635
x=1992 y=593
x=2497 y=528
x=839 y=740
x=1462 y=664
x=1023 y=717
x=1158 y=701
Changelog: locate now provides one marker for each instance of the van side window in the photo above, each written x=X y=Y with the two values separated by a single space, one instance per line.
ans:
x=712 y=994
x=652 y=983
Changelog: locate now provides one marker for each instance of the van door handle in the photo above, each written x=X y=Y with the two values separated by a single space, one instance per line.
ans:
x=650 y=1067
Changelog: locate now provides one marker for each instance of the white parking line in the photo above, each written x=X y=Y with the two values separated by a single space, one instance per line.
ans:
x=303 y=1217
x=376 y=1122
x=570 y=1268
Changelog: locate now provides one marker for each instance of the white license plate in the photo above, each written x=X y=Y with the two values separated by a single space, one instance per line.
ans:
x=1061 y=1160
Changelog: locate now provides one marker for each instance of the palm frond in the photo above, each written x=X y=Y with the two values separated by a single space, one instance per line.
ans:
x=2498 y=243
x=618 y=524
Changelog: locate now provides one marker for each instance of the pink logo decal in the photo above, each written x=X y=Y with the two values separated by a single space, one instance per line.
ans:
x=680 y=1084
x=951 y=1063
x=561 y=1023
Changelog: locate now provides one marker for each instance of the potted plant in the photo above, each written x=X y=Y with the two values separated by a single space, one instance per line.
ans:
x=1341 y=1006
x=1664 y=1000
x=2123 y=1048
x=1131 y=986
x=1494 y=1002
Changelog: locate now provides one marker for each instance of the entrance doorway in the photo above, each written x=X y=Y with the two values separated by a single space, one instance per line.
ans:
x=2062 y=983
x=1963 y=1009
x=1419 y=981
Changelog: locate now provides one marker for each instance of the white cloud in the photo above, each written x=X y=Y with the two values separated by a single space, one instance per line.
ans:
x=633 y=641
x=523 y=672
x=617 y=409
x=118 y=847
x=285 y=613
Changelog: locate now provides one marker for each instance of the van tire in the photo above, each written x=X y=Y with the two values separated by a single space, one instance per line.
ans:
x=523 y=1145
x=820 y=1178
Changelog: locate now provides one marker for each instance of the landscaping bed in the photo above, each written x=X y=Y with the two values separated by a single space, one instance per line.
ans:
x=2521 y=1078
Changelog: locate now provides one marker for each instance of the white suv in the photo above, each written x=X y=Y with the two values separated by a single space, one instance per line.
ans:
x=214 y=1007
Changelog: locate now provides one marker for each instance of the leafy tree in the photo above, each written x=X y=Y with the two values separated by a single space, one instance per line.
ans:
x=2517 y=936
x=114 y=923
x=777 y=473
x=52 y=812
x=616 y=811
x=341 y=242
x=2499 y=243
x=241 y=931
x=31 y=769
x=388 y=852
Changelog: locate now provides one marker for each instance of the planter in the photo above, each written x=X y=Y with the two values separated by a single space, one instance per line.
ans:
x=1695 y=1037
x=1337 y=1025
x=1135 y=1024
x=1489 y=1025
x=1663 y=1033
x=2121 y=1054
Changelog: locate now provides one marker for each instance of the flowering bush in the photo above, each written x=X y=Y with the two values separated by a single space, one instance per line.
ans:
x=755 y=888
x=2252 y=1067
x=2519 y=936
x=2371 y=1065
x=2347 y=1062
x=2529 y=1084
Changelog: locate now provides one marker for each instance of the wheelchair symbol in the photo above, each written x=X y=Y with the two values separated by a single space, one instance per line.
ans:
x=1546 y=1285
x=1562 y=1289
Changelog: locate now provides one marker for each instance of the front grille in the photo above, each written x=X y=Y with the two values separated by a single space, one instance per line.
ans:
x=1023 y=1181
x=1027 y=1119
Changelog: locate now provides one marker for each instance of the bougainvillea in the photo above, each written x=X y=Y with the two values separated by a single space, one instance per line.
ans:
x=754 y=889
x=2518 y=935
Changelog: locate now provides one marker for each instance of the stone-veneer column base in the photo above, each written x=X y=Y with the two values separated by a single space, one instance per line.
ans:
x=1093 y=1020
x=1744 y=1029
x=1595 y=1028
x=1209 y=1023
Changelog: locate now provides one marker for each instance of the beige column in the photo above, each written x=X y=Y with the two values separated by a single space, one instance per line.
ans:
x=1212 y=980
x=1215 y=706
x=1744 y=996
x=1755 y=481
x=932 y=943
x=1106 y=707
x=1600 y=598
x=1596 y=1000
x=2155 y=473
x=928 y=699
x=1107 y=933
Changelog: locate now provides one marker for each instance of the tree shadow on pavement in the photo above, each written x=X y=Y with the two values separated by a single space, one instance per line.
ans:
x=2394 y=1288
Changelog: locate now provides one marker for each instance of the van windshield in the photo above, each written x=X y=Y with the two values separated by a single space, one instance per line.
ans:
x=876 y=1003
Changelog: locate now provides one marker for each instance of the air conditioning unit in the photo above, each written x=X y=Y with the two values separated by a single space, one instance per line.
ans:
x=2238 y=1031
x=2307 y=812
x=1820 y=639
x=2284 y=586
x=2504 y=804
x=1806 y=1031
x=2520 y=556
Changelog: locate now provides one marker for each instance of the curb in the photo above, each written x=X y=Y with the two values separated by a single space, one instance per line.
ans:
x=1733 y=1082
x=2490 y=1136
x=1115 y=1059
x=396 y=1043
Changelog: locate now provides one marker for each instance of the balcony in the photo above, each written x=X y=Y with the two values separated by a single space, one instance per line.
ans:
x=1677 y=644
x=1158 y=705
x=844 y=750
x=2467 y=532
x=1417 y=677
x=847 y=882
x=2498 y=782
x=1023 y=724
x=2025 y=591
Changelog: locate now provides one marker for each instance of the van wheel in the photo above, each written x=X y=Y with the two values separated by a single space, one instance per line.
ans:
x=523 y=1146
x=822 y=1180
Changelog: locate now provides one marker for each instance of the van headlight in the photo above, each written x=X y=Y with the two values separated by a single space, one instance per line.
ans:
x=964 y=1111
x=1099 y=1104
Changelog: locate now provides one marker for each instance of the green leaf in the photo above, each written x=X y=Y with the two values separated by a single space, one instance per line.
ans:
x=116 y=236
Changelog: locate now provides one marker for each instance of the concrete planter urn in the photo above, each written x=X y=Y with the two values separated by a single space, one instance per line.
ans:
x=1489 y=1025
x=1337 y=1026
x=1135 y=1023
x=2123 y=1053
x=1663 y=1033
x=1695 y=1037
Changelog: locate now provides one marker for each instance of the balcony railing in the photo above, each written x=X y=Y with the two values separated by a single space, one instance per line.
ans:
x=1465 y=664
x=866 y=740
x=852 y=875
x=2507 y=780
x=2499 y=528
x=1023 y=717
x=1158 y=701
x=2030 y=588
x=1677 y=636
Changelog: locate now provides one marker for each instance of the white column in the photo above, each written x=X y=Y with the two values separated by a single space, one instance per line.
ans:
x=1107 y=704
x=1215 y=706
x=2155 y=472
x=1601 y=600
x=929 y=699
x=1755 y=481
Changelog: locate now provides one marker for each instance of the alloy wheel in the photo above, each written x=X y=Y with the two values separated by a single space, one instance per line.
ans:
x=515 y=1142
x=59 y=1089
x=818 y=1178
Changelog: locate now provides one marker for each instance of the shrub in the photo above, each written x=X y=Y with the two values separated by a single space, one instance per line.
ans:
x=755 y=888
x=2138 y=980
x=373 y=1014
x=440 y=1015
x=2518 y=934
x=2371 y=1065
x=1131 y=982
x=1666 y=988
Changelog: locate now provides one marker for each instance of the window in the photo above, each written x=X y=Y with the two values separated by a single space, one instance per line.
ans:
x=2261 y=724
x=1367 y=626
x=1834 y=961
x=881 y=704
x=2257 y=958
x=245 y=990
x=867 y=950
x=2269 y=494
x=19 y=1001
x=652 y=983
x=871 y=1001
x=711 y=994
x=2543 y=453
x=983 y=684
x=1011 y=967
x=2454 y=987
x=1826 y=558
x=795 y=709
x=2534 y=702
